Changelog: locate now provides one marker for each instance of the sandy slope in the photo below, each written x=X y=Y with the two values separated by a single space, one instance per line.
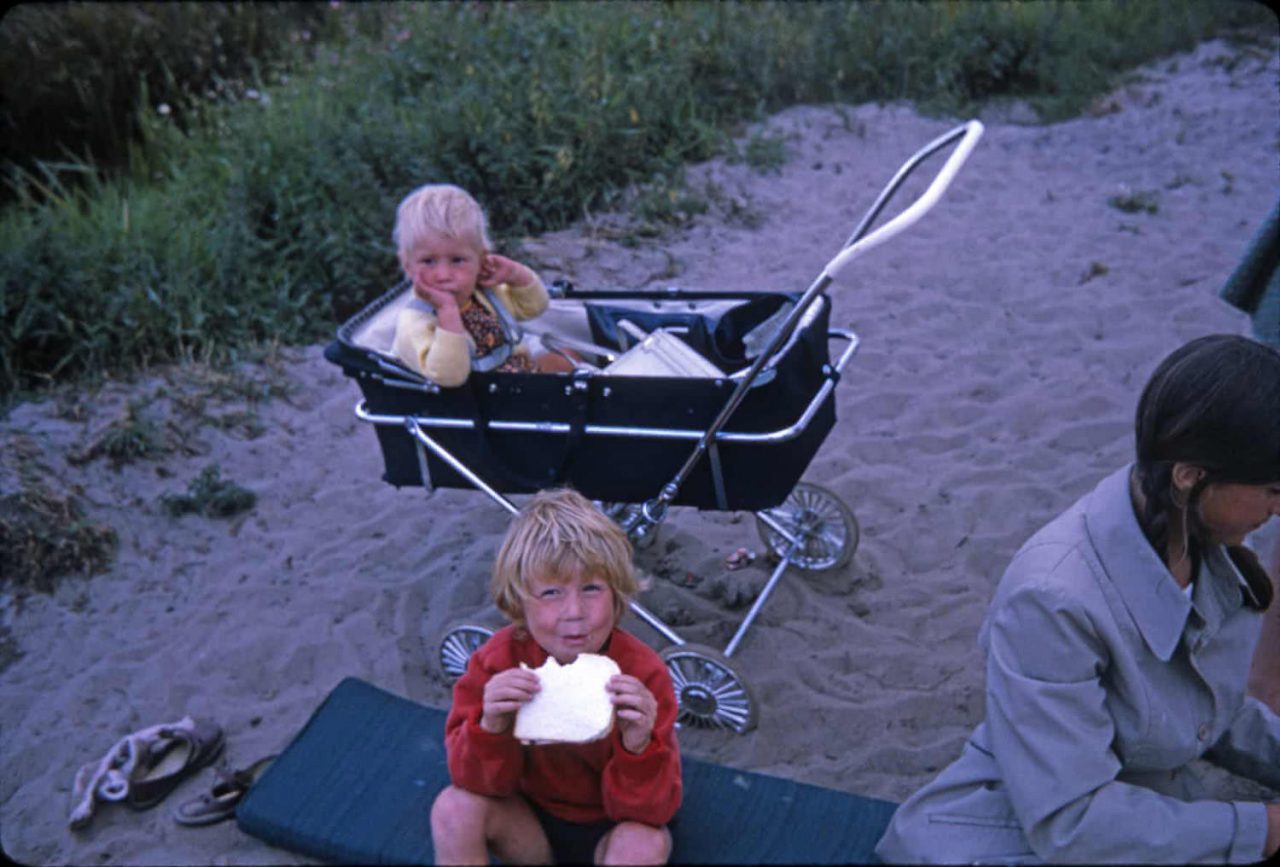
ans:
x=1004 y=342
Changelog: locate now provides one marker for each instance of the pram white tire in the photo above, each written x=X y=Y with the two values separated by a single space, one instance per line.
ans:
x=709 y=689
x=457 y=646
x=825 y=526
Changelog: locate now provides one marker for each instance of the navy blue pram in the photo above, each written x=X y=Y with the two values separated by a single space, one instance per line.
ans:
x=715 y=400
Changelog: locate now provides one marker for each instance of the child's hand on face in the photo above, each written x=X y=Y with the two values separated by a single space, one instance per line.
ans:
x=637 y=711
x=437 y=298
x=495 y=269
x=504 y=694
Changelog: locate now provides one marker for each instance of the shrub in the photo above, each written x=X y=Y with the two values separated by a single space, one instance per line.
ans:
x=267 y=219
x=71 y=74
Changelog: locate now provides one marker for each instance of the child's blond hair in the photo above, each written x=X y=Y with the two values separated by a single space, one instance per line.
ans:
x=559 y=534
x=444 y=209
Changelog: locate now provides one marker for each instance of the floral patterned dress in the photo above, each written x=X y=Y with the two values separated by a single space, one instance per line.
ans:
x=486 y=331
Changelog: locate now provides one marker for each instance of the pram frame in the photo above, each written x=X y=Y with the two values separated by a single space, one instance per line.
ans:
x=720 y=696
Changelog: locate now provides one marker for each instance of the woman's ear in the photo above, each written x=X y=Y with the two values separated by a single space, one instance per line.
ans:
x=1186 y=476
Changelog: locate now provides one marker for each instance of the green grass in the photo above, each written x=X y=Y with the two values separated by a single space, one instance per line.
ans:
x=267 y=220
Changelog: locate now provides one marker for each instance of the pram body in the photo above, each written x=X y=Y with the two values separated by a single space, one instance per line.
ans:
x=610 y=437
x=738 y=438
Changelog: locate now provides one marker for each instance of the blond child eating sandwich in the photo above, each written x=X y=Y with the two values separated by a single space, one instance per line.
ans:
x=562 y=577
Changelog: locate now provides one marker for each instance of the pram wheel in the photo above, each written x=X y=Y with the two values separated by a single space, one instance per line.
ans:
x=709 y=689
x=827 y=529
x=457 y=646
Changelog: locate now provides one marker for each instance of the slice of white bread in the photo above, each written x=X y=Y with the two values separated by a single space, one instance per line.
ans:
x=573 y=705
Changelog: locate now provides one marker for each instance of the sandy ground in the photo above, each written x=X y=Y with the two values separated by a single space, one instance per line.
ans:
x=1005 y=339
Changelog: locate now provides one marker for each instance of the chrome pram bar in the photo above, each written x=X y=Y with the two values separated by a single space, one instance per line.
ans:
x=858 y=243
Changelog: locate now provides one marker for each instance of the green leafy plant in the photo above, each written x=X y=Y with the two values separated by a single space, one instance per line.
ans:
x=210 y=495
x=764 y=152
x=128 y=438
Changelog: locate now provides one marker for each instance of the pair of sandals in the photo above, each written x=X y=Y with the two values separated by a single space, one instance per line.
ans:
x=143 y=768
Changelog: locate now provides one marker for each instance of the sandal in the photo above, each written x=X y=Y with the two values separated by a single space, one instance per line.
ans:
x=109 y=778
x=219 y=803
x=171 y=760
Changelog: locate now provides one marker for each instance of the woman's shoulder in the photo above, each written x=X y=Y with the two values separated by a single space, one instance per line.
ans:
x=1056 y=554
x=1055 y=577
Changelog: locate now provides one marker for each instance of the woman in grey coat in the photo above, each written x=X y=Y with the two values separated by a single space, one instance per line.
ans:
x=1118 y=645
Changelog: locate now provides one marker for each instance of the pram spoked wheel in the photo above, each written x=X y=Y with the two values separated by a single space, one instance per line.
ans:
x=709 y=689
x=457 y=646
x=822 y=522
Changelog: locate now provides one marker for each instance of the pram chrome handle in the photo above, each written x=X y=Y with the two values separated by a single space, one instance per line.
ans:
x=968 y=133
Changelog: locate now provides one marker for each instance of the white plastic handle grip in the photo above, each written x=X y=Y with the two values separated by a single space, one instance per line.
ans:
x=917 y=209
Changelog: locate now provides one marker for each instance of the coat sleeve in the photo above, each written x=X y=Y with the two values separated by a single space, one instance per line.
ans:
x=1251 y=745
x=1052 y=737
x=524 y=302
x=646 y=787
x=442 y=356
x=479 y=762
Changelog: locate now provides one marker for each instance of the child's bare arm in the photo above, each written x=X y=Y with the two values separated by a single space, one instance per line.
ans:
x=504 y=694
x=637 y=711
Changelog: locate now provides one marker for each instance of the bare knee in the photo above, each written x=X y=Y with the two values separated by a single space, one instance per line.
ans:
x=635 y=843
x=457 y=824
x=458 y=805
x=467 y=828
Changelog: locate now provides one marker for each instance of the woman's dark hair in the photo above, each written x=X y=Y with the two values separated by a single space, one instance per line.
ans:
x=1213 y=403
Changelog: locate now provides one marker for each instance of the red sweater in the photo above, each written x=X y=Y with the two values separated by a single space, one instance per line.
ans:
x=589 y=782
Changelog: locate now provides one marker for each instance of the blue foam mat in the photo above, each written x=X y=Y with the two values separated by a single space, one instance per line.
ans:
x=355 y=786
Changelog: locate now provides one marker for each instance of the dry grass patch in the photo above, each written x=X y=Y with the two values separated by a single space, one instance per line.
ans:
x=45 y=536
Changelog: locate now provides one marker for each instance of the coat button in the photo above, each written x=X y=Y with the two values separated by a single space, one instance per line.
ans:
x=1203 y=732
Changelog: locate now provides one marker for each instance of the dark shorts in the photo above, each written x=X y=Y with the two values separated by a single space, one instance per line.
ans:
x=571 y=842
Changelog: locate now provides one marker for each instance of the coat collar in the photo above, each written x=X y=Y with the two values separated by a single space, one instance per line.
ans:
x=1154 y=600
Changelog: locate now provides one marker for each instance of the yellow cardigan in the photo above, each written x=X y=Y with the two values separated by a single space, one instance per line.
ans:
x=445 y=356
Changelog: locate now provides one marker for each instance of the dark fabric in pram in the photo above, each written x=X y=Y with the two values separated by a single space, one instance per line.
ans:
x=720 y=341
x=617 y=468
